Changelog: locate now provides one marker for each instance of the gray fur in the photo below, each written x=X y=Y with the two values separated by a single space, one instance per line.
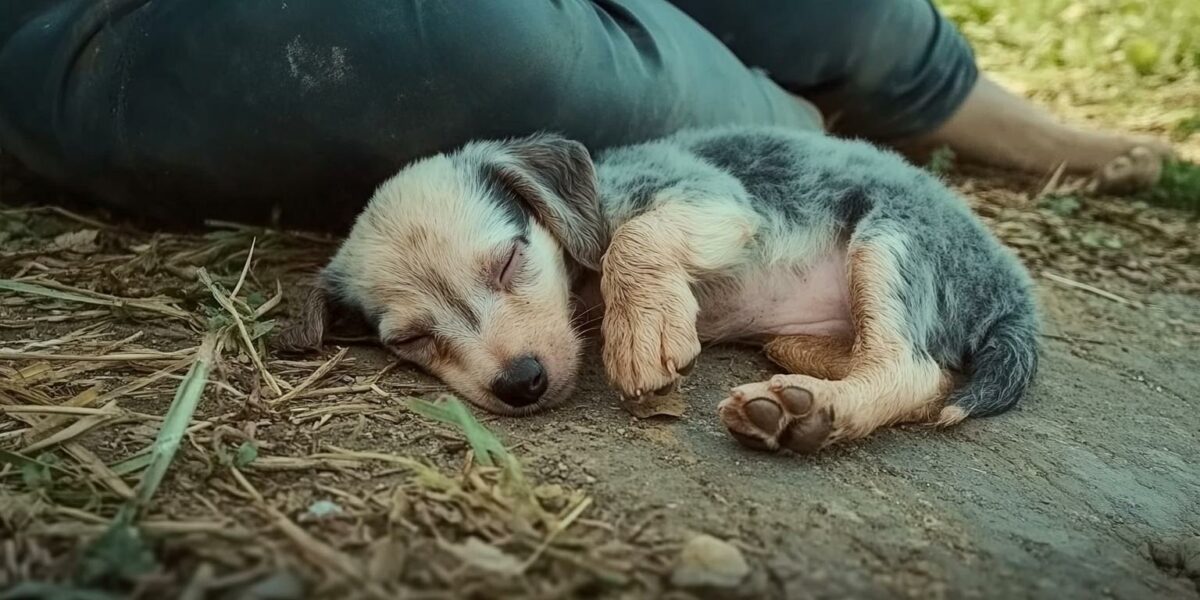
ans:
x=967 y=299
x=958 y=297
x=554 y=179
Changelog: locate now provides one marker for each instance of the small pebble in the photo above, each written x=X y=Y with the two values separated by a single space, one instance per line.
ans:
x=706 y=561
x=323 y=508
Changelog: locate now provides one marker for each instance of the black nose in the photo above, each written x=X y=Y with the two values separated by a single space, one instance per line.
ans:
x=522 y=383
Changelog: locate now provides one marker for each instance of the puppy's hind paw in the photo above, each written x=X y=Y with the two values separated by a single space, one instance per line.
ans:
x=777 y=414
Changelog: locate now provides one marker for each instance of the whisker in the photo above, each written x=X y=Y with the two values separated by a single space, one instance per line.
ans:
x=587 y=318
x=583 y=332
x=586 y=323
x=588 y=313
x=589 y=309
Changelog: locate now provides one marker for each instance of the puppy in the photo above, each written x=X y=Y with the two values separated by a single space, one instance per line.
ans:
x=876 y=288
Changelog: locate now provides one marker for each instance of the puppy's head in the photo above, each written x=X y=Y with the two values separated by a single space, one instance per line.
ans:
x=462 y=265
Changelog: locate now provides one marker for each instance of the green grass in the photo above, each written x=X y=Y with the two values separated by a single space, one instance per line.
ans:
x=1122 y=64
x=1185 y=128
x=941 y=161
x=1178 y=188
x=1132 y=63
x=1157 y=38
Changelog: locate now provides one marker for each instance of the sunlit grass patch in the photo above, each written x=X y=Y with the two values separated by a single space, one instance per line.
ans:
x=1178 y=188
x=1133 y=63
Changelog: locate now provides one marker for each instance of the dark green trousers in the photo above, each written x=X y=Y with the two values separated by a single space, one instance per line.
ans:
x=241 y=109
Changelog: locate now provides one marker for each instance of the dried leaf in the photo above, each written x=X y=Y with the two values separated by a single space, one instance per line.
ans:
x=669 y=405
x=81 y=242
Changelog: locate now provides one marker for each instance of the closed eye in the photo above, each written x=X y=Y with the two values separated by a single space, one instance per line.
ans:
x=511 y=264
x=414 y=341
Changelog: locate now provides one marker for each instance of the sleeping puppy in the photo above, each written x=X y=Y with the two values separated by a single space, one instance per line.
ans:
x=876 y=288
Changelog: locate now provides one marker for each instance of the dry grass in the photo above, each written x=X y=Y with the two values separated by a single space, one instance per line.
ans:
x=98 y=339
x=102 y=326
x=250 y=493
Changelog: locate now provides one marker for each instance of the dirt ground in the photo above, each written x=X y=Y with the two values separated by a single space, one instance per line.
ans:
x=1090 y=490
x=1063 y=498
x=316 y=477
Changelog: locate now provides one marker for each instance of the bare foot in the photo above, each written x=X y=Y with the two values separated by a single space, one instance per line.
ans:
x=1138 y=169
x=997 y=128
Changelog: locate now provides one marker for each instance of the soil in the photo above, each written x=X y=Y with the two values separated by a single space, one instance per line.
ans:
x=1063 y=498
x=1090 y=489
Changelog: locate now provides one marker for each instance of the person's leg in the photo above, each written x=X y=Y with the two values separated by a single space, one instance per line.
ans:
x=232 y=108
x=878 y=69
x=898 y=72
x=996 y=127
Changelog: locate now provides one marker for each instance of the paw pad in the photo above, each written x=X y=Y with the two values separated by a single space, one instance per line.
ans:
x=776 y=415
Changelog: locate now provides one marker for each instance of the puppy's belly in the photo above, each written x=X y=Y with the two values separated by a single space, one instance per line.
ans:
x=782 y=300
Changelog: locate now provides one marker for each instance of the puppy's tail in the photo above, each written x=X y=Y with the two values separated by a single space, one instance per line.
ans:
x=999 y=372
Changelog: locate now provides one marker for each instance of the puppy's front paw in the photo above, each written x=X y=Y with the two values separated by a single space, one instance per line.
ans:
x=649 y=348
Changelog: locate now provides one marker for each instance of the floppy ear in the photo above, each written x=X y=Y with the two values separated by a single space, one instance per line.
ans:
x=556 y=181
x=321 y=313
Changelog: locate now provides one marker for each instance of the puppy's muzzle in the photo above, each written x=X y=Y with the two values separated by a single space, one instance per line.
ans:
x=522 y=383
